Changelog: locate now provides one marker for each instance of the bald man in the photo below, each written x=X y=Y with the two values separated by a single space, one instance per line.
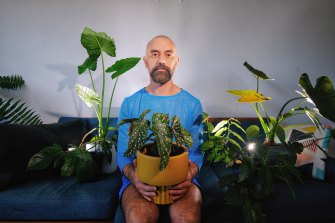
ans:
x=161 y=95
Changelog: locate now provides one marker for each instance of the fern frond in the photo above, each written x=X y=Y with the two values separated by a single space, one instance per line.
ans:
x=16 y=112
x=12 y=82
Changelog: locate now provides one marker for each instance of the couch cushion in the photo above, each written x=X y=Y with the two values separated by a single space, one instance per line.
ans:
x=19 y=143
x=61 y=199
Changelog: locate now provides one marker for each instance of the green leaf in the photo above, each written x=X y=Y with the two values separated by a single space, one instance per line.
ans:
x=138 y=132
x=252 y=132
x=187 y=137
x=97 y=42
x=237 y=136
x=323 y=94
x=45 y=157
x=86 y=168
x=90 y=63
x=219 y=126
x=258 y=73
x=12 y=82
x=16 y=112
x=207 y=145
x=160 y=128
x=69 y=165
x=144 y=113
x=280 y=132
x=176 y=130
x=122 y=66
x=220 y=131
x=87 y=95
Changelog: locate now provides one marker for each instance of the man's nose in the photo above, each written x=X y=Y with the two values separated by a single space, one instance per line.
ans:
x=161 y=60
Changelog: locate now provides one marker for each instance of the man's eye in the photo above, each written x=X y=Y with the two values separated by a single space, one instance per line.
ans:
x=155 y=54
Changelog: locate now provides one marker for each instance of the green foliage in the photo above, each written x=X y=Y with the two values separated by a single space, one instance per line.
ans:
x=12 y=82
x=323 y=94
x=98 y=44
x=15 y=111
x=77 y=160
x=224 y=143
x=162 y=131
x=271 y=124
x=254 y=170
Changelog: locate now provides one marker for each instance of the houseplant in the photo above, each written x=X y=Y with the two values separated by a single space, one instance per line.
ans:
x=260 y=162
x=79 y=159
x=161 y=162
x=14 y=111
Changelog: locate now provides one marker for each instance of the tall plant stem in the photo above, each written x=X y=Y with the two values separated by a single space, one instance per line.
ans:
x=110 y=103
x=283 y=107
x=92 y=82
x=101 y=130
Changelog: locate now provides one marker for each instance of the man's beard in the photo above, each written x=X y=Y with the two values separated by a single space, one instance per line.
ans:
x=161 y=77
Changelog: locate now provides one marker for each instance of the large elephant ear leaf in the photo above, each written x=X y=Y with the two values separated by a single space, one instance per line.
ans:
x=161 y=130
x=138 y=132
x=46 y=157
x=323 y=94
x=122 y=66
x=87 y=95
x=95 y=43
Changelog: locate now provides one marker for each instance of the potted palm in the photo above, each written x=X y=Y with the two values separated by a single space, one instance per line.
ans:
x=78 y=159
x=160 y=161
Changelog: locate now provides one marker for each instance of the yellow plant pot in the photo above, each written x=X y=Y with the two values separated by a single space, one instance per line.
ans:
x=147 y=170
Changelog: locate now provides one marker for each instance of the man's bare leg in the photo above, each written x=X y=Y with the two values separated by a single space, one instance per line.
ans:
x=187 y=208
x=136 y=208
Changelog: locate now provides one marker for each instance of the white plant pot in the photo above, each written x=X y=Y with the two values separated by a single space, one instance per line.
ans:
x=106 y=167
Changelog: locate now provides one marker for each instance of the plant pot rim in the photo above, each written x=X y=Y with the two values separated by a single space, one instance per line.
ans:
x=158 y=157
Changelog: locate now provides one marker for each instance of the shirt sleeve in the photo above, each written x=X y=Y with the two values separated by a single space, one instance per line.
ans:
x=196 y=130
x=123 y=138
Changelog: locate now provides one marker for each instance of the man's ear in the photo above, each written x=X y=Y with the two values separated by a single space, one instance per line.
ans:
x=145 y=61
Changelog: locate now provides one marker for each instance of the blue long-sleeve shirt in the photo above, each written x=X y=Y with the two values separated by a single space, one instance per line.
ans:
x=183 y=104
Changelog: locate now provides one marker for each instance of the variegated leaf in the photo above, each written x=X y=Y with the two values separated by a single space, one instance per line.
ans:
x=87 y=95
x=137 y=136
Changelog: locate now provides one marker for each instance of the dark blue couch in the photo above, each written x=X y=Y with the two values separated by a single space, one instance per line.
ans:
x=43 y=195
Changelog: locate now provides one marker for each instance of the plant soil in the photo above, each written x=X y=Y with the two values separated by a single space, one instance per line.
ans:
x=151 y=150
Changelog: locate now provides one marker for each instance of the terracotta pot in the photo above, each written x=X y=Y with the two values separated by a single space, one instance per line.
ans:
x=147 y=170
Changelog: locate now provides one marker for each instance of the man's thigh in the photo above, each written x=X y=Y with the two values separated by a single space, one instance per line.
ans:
x=188 y=204
x=134 y=203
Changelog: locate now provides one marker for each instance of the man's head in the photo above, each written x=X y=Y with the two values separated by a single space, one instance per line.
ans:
x=161 y=59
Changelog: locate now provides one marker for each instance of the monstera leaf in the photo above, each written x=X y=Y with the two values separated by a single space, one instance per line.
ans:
x=323 y=94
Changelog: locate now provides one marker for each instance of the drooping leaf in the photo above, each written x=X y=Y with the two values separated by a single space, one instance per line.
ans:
x=12 y=82
x=138 y=132
x=45 y=157
x=176 y=130
x=323 y=94
x=160 y=128
x=90 y=64
x=16 y=112
x=86 y=94
x=280 y=132
x=187 y=137
x=258 y=73
x=122 y=66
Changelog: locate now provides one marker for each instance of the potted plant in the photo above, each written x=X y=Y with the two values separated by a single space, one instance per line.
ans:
x=259 y=160
x=79 y=158
x=160 y=161
x=14 y=111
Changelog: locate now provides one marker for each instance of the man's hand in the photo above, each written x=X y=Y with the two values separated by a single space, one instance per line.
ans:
x=145 y=190
x=179 y=190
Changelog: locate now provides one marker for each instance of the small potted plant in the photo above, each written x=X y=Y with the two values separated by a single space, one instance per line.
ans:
x=160 y=161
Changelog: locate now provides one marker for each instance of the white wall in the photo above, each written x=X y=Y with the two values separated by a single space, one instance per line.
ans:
x=40 y=40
